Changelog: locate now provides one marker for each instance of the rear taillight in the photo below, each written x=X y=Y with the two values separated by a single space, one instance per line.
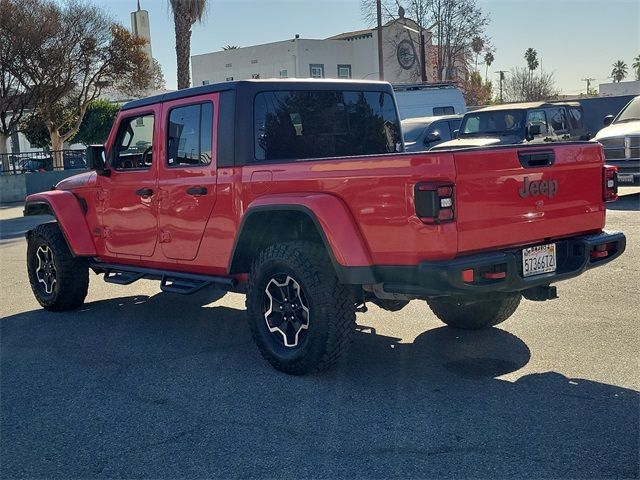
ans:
x=610 y=184
x=434 y=202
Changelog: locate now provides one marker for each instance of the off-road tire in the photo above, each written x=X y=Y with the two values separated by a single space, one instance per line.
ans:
x=469 y=314
x=331 y=308
x=71 y=273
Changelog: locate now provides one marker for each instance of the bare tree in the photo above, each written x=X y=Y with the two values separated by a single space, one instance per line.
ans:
x=453 y=24
x=185 y=14
x=15 y=98
x=67 y=54
x=520 y=87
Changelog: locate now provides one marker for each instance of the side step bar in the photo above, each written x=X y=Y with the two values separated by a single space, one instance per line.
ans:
x=173 y=282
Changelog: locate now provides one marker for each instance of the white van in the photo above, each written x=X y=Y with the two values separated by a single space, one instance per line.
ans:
x=428 y=100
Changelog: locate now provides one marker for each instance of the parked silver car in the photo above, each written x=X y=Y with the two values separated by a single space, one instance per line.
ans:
x=422 y=133
x=621 y=141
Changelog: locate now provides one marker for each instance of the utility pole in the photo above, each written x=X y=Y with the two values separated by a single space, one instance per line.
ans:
x=380 y=55
x=588 y=80
x=501 y=72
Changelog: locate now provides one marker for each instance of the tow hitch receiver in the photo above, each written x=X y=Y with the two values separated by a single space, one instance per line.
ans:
x=541 y=293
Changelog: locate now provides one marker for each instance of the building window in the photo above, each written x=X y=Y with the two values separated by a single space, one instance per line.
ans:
x=344 y=71
x=228 y=65
x=316 y=70
x=283 y=74
x=254 y=61
x=205 y=82
x=229 y=79
x=255 y=76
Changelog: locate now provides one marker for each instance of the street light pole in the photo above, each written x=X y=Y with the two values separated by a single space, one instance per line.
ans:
x=501 y=72
x=380 y=56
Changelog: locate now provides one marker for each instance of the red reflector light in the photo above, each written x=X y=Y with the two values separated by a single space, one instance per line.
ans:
x=600 y=252
x=445 y=191
x=467 y=276
x=445 y=214
x=494 y=275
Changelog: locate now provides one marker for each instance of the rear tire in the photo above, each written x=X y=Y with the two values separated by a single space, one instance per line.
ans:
x=300 y=316
x=471 y=314
x=58 y=279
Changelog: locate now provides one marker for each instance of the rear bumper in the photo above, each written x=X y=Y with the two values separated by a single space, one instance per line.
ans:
x=445 y=278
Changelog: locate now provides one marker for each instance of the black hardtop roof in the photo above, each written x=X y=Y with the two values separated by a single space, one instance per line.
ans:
x=275 y=84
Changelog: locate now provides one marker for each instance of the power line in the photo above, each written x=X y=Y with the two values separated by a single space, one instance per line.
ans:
x=588 y=80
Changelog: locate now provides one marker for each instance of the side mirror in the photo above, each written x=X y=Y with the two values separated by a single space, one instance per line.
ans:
x=608 y=120
x=432 y=137
x=96 y=159
x=455 y=133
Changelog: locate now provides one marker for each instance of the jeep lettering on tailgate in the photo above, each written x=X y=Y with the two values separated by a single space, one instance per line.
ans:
x=547 y=188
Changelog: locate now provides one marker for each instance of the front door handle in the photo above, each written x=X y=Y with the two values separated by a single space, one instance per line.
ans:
x=144 y=192
x=197 y=191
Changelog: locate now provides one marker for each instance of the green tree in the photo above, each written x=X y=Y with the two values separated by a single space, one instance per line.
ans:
x=97 y=122
x=476 y=91
x=185 y=14
x=636 y=66
x=619 y=71
x=35 y=131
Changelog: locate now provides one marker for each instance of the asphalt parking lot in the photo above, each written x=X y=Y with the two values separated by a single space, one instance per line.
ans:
x=143 y=384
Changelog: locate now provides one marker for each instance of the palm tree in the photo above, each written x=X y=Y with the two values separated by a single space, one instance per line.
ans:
x=636 y=67
x=619 y=71
x=531 y=56
x=488 y=60
x=477 y=44
x=185 y=14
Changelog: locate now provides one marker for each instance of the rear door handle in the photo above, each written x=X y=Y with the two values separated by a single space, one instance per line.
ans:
x=197 y=191
x=144 y=192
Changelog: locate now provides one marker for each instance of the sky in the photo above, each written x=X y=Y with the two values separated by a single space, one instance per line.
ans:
x=575 y=39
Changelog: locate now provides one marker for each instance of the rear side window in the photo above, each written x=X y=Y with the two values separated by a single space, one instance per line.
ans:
x=575 y=118
x=557 y=120
x=437 y=111
x=292 y=125
x=189 y=137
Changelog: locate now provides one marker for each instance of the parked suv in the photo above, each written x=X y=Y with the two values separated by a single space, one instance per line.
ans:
x=621 y=141
x=294 y=193
x=518 y=123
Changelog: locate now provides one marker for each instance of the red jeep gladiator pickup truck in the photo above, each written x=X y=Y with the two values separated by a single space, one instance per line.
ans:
x=297 y=193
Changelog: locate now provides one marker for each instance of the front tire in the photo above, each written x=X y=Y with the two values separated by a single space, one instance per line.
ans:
x=59 y=280
x=300 y=316
x=473 y=314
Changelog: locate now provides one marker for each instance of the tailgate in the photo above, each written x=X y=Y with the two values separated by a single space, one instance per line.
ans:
x=515 y=196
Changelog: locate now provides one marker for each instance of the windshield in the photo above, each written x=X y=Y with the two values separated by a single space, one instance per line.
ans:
x=495 y=122
x=412 y=131
x=630 y=112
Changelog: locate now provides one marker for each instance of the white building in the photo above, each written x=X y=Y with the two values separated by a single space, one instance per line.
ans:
x=141 y=29
x=348 y=55
x=619 y=88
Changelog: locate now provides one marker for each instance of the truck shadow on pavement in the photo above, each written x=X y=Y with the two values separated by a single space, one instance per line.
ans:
x=169 y=387
x=626 y=202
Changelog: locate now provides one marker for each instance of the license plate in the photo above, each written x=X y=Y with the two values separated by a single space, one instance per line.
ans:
x=625 y=178
x=540 y=259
